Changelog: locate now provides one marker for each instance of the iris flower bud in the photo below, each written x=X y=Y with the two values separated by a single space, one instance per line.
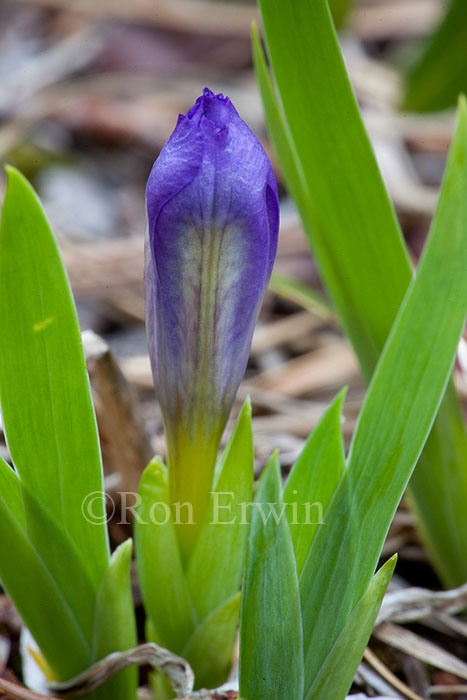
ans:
x=213 y=224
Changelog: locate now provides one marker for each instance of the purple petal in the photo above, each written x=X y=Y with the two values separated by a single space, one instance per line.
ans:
x=213 y=224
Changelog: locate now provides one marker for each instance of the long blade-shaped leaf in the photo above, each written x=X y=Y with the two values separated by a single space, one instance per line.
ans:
x=270 y=602
x=215 y=568
x=10 y=489
x=44 y=390
x=443 y=492
x=115 y=627
x=36 y=595
x=335 y=677
x=300 y=294
x=209 y=651
x=440 y=73
x=339 y=9
x=320 y=140
x=314 y=478
x=162 y=578
x=352 y=227
x=394 y=422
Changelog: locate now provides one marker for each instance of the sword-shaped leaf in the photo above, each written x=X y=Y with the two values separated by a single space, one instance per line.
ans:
x=271 y=657
x=335 y=676
x=320 y=140
x=45 y=398
x=394 y=422
x=215 y=567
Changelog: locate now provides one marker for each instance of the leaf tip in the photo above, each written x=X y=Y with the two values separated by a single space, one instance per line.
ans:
x=15 y=181
x=340 y=397
x=13 y=174
x=389 y=566
x=123 y=552
x=246 y=410
x=462 y=111
x=270 y=475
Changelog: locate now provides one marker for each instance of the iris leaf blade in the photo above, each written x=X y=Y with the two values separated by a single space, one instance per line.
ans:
x=36 y=595
x=10 y=489
x=270 y=602
x=440 y=72
x=339 y=9
x=319 y=136
x=395 y=419
x=44 y=389
x=215 y=567
x=209 y=650
x=300 y=294
x=321 y=127
x=115 y=626
x=314 y=478
x=335 y=675
x=162 y=578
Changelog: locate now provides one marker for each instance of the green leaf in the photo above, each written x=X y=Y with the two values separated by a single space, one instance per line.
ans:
x=73 y=580
x=271 y=657
x=301 y=294
x=52 y=437
x=210 y=649
x=339 y=9
x=162 y=579
x=314 y=478
x=394 y=422
x=440 y=72
x=64 y=645
x=215 y=569
x=160 y=685
x=279 y=130
x=318 y=133
x=337 y=672
x=44 y=389
x=10 y=490
x=444 y=533
x=320 y=139
x=115 y=625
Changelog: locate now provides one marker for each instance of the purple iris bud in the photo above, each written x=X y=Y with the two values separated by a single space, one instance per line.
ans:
x=213 y=224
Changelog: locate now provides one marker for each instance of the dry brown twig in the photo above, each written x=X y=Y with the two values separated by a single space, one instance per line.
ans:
x=414 y=645
x=176 y=669
x=388 y=676
x=18 y=691
x=412 y=604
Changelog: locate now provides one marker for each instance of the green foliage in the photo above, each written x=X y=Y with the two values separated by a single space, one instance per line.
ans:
x=354 y=235
x=339 y=9
x=160 y=570
x=395 y=419
x=439 y=74
x=338 y=601
x=45 y=396
x=317 y=472
x=209 y=650
x=300 y=294
x=52 y=437
x=193 y=609
x=334 y=677
x=114 y=626
x=271 y=652
x=215 y=568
